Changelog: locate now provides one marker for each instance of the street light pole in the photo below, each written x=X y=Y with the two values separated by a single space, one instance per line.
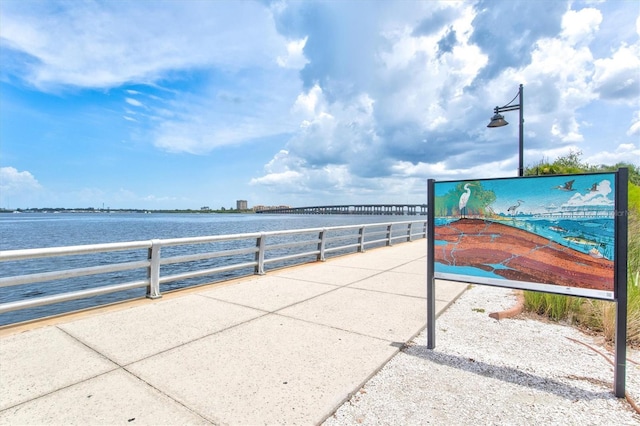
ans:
x=498 y=121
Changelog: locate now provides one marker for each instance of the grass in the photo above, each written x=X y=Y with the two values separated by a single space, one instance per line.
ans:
x=598 y=315
x=555 y=306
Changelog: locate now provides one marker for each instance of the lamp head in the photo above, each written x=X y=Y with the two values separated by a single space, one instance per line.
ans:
x=497 y=121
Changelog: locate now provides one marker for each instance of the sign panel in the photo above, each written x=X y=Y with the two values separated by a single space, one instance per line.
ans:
x=554 y=234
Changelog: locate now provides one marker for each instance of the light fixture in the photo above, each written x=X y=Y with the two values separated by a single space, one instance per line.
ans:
x=498 y=121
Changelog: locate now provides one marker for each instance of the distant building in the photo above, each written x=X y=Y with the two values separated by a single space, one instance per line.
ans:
x=241 y=205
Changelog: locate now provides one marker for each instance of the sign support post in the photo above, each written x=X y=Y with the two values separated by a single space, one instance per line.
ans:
x=622 y=210
x=431 y=293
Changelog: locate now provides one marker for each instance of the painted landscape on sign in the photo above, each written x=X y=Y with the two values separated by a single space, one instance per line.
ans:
x=547 y=233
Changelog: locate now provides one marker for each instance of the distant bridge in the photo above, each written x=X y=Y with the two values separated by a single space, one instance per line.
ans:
x=361 y=209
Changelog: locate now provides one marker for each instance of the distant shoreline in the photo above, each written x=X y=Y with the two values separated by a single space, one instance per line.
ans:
x=109 y=211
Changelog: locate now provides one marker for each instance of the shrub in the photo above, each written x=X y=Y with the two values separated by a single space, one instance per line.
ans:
x=596 y=315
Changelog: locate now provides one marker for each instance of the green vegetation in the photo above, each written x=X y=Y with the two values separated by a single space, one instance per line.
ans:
x=596 y=315
x=447 y=205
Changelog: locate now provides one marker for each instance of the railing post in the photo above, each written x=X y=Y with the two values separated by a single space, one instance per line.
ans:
x=361 y=240
x=153 y=290
x=321 y=245
x=409 y=232
x=260 y=242
x=388 y=235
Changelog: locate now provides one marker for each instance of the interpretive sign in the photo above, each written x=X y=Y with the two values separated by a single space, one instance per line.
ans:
x=548 y=233
x=562 y=234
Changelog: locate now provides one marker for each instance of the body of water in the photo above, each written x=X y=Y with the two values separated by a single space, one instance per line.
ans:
x=39 y=230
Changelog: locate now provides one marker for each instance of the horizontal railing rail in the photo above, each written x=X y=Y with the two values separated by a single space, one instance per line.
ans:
x=221 y=254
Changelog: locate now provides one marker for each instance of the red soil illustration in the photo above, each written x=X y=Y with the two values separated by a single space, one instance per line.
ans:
x=528 y=257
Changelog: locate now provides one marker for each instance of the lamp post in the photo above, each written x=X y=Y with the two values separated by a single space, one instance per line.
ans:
x=498 y=121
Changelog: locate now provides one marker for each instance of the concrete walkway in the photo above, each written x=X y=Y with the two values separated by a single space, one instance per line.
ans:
x=287 y=347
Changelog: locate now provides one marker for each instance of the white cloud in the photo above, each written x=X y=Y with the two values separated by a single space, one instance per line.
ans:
x=421 y=92
x=618 y=77
x=282 y=169
x=283 y=178
x=133 y=102
x=337 y=133
x=156 y=199
x=418 y=82
x=101 y=45
x=14 y=182
x=558 y=79
x=295 y=55
x=550 y=154
x=443 y=170
x=623 y=153
x=308 y=103
x=291 y=172
x=634 y=129
x=579 y=26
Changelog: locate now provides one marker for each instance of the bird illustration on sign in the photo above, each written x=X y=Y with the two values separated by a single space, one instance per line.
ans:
x=513 y=208
x=464 y=199
x=568 y=186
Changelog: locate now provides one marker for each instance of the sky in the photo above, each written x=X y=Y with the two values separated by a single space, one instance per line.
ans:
x=185 y=104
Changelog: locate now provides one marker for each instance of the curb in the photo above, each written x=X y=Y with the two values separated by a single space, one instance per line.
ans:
x=512 y=312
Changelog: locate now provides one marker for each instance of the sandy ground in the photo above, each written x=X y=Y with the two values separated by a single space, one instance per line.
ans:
x=517 y=371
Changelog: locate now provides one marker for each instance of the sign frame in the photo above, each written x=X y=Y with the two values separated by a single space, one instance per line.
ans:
x=618 y=290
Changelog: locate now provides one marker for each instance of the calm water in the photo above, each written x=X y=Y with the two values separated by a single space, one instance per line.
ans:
x=35 y=230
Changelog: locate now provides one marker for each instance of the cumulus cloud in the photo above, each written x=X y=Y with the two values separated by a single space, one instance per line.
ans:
x=560 y=75
x=634 y=129
x=367 y=125
x=403 y=118
x=617 y=77
x=13 y=181
x=288 y=177
x=505 y=33
x=307 y=103
x=295 y=55
x=623 y=153
x=579 y=26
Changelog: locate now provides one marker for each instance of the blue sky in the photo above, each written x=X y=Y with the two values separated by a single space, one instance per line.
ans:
x=184 y=104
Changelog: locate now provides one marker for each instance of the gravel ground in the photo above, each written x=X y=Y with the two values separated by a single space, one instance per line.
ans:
x=515 y=371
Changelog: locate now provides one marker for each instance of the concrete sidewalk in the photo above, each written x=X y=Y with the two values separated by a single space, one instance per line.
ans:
x=287 y=347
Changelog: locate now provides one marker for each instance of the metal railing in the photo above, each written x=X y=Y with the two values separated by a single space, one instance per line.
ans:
x=250 y=251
